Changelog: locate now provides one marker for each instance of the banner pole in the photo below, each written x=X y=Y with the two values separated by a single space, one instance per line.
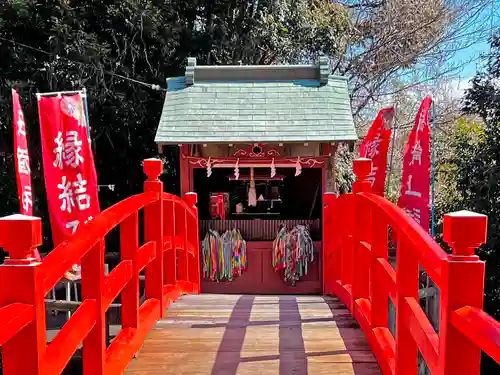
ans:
x=433 y=170
x=85 y=102
x=393 y=136
x=59 y=93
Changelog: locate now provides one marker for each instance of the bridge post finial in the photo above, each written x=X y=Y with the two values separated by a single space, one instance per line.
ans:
x=20 y=235
x=462 y=284
x=191 y=199
x=362 y=168
x=464 y=231
x=153 y=168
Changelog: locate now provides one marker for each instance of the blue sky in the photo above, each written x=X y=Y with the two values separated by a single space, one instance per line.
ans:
x=473 y=51
x=490 y=16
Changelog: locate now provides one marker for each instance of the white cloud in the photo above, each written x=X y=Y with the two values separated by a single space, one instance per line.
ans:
x=457 y=87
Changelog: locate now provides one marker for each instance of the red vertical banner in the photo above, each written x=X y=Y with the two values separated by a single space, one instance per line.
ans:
x=68 y=163
x=415 y=184
x=23 y=171
x=376 y=146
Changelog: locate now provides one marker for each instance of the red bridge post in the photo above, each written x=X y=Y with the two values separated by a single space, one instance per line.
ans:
x=194 y=272
x=407 y=273
x=463 y=285
x=170 y=255
x=379 y=257
x=153 y=230
x=181 y=226
x=129 y=245
x=362 y=220
x=94 y=345
x=20 y=235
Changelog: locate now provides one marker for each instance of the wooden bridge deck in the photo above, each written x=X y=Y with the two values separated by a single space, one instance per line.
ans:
x=234 y=334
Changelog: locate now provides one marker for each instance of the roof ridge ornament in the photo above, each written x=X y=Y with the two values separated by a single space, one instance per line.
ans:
x=324 y=69
x=191 y=65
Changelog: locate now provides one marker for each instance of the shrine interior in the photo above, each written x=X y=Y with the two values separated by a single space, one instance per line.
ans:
x=283 y=197
x=277 y=202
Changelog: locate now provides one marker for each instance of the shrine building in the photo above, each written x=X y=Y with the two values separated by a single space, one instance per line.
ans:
x=257 y=144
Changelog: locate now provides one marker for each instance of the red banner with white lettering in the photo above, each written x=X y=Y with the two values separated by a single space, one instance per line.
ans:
x=375 y=146
x=23 y=172
x=415 y=184
x=70 y=176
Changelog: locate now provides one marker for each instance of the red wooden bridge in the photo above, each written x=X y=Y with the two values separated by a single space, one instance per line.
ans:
x=243 y=334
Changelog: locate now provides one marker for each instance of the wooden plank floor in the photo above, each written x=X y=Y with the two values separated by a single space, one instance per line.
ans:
x=230 y=334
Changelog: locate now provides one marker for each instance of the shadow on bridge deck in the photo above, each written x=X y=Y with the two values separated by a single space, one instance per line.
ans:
x=230 y=334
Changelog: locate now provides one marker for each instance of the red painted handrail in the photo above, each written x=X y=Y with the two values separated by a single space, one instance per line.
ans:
x=170 y=245
x=357 y=270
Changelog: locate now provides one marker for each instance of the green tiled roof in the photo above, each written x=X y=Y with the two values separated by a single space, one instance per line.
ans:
x=231 y=104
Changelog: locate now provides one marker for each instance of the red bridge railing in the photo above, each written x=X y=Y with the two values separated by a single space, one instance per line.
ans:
x=169 y=258
x=357 y=270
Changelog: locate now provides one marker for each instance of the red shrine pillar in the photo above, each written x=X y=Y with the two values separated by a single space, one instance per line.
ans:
x=185 y=171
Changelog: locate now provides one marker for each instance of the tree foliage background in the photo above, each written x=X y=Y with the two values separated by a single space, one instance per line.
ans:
x=118 y=48
x=475 y=165
x=470 y=173
x=52 y=45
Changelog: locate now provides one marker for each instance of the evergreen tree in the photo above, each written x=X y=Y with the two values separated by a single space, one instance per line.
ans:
x=474 y=170
x=52 y=45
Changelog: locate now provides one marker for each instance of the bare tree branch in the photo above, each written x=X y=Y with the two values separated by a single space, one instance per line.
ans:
x=399 y=38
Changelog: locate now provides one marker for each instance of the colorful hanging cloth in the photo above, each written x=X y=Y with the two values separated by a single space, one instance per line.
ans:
x=279 y=245
x=210 y=253
x=224 y=257
x=239 y=253
x=227 y=257
x=292 y=252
